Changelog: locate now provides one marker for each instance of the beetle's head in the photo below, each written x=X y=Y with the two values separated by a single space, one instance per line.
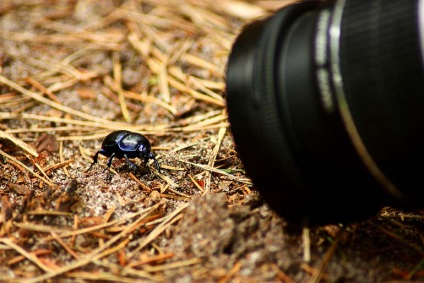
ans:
x=144 y=151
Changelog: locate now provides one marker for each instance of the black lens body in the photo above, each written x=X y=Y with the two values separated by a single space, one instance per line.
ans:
x=326 y=103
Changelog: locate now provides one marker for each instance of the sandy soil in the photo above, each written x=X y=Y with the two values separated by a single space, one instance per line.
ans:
x=73 y=71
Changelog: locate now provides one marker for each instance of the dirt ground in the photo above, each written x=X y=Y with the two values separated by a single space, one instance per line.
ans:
x=72 y=71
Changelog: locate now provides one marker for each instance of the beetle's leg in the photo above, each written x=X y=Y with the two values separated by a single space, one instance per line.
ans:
x=109 y=162
x=152 y=156
x=132 y=165
x=95 y=158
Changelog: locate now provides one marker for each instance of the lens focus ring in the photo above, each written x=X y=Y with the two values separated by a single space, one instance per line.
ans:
x=382 y=71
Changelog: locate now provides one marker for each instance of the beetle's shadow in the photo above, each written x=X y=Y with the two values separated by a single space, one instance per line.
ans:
x=137 y=170
x=120 y=168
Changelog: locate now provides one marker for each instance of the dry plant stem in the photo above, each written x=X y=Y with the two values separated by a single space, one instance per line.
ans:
x=57 y=166
x=151 y=259
x=416 y=248
x=13 y=159
x=117 y=74
x=129 y=271
x=41 y=170
x=53 y=104
x=171 y=218
x=20 y=258
x=221 y=135
x=49 y=212
x=29 y=256
x=43 y=89
x=282 y=275
x=173 y=265
x=179 y=193
x=211 y=123
x=41 y=228
x=214 y=170
x=94 y=255
x=233 y=271
x=306 y=244
x=65 y=246
x=62 y=158
x=19 y=143
x=326 y=260
x=196 y=183
x=99 y=277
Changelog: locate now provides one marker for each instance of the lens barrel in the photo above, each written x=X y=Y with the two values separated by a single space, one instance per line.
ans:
x=325 y=101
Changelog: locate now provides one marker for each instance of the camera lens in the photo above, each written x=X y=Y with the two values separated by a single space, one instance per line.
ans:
x=325 y=101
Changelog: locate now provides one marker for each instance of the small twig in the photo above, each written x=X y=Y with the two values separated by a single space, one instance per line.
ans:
x=109 y=214
x=26 y=167
x=49 y=212
x=195 y=183
x=94 y=255
x=62 y=158
x=58 y=165
x=40 y=228
x=20 y=258
x=116 y=248
x=282 y=275
x=306 y=244
x=19 y=143
x=178 y=193
x=399 y=239
x=174 y=197
x=211 y=162
x=40 y=169
x=43 y=89
x=117 y=75
x=326 y=260
x=172 y=265
x=231 y=273
x=151 y=259
x=65 y=246
x=129 y=271
x=53 y=104
x=144 y=186
x=214 y=170
x=31 y=257
x=171 y=218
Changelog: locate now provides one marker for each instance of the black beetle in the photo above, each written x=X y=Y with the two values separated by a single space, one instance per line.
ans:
x=126 y=144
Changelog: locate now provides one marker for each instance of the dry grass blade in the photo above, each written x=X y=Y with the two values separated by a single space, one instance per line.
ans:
x=94 y=255
x=130 y=271
x=53 y=104
x=104 y=225
x=195 y=183
x=29 y=256
x=173 y=265
x=151 y=259
x=24 y=146
x=65 y=246
x=20 y=258
x=214 y=170
x=211 y=162
x=99 y=277
x=197 y=95
x=326 y=260
x=14 y=160
x=167 y=221
x=40 y=228
x=49 y=212
x=117 y=74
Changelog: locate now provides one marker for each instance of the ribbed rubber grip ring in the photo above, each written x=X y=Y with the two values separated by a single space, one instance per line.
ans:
x=383 y=80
